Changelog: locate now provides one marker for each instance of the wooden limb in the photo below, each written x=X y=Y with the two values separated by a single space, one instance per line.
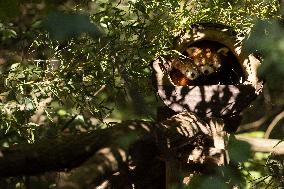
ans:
x=273 y=124
x=201 y=149
x=264 y=145
x=68 y=152
x=105 y=169
x=253 y=125
x=107 y=150
x=178 y=139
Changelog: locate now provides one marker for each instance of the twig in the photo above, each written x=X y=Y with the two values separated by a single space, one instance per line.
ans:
x=273 y=124
x=100 y=89
x=264 y=145
x=252 y=125
x=69 y=122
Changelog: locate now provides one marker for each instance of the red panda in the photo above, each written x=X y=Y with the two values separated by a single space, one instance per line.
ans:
x=206 y=59
x=200 y=61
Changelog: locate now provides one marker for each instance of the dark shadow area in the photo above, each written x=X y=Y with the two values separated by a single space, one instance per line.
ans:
x=214 y=100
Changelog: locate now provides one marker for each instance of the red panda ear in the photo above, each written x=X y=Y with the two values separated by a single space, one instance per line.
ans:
x=223 y=51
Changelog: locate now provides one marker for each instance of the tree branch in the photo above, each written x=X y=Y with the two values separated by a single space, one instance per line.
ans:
x=264 y=145
x=67 y=152
x=273 y=124
x=253 y=125
x=108 y=149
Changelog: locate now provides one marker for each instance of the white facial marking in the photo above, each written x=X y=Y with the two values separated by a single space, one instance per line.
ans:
x=191 y=74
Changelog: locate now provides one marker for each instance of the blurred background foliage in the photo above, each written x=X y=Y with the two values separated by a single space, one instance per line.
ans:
x=71 y=66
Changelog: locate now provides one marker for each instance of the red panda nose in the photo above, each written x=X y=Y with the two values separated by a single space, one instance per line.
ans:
x=206 y=70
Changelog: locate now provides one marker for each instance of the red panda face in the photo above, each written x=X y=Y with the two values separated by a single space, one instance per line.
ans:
x=187 y=72
x=201 y=61
x=206 y=59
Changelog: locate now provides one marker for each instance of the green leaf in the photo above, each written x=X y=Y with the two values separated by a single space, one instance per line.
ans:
x=15 y=66
x=239 y=151
x=61 y=112
x=62 y=26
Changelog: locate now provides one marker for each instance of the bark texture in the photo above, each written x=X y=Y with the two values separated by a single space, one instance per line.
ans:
x=129 y=151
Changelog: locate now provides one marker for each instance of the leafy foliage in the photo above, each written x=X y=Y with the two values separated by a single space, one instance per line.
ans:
x=73 y=66
x=83 y=54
